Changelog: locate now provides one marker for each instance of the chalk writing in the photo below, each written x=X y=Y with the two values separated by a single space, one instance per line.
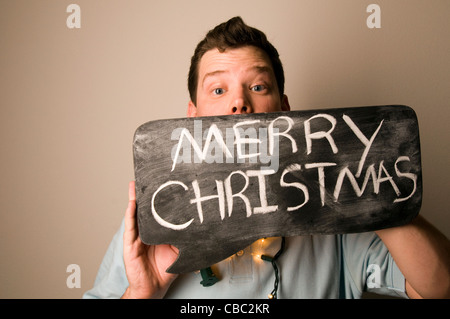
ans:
x=230 y=180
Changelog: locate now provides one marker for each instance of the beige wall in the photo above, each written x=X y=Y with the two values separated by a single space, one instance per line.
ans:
x=70 y=100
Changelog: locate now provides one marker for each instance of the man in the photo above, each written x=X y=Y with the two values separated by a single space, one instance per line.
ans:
x=236 y=70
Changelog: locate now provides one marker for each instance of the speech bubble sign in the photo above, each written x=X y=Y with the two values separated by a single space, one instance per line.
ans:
x=211 y=186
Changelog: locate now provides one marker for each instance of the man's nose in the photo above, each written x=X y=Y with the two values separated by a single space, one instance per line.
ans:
x=240 y=104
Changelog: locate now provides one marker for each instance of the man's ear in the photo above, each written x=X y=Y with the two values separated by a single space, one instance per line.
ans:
x=192 y=110
x=285 y=103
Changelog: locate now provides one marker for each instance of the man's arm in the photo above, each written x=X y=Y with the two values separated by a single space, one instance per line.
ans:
x=423 y=255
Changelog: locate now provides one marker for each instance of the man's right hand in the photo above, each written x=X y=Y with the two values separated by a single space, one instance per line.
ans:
x=145 y=265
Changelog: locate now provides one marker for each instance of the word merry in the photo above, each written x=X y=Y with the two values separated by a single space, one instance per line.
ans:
x=268 y=137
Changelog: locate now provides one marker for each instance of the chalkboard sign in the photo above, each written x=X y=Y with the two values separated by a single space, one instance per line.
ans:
x=213 y=185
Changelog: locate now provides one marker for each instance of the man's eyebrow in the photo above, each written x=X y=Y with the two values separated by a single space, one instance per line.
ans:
x=257 y=68
x=213 y=73
x=261 y=69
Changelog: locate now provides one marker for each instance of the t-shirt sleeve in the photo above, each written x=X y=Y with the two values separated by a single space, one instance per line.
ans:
x=369 y=267
x=111 y=281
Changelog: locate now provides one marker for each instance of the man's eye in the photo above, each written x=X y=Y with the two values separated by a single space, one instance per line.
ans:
x=218 y=91
x=258 y=88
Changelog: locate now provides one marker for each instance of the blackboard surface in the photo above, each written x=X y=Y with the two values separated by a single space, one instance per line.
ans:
x=213 y=185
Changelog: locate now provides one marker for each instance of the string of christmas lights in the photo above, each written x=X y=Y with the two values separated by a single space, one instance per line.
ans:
x=209 y=278
x=272 y=260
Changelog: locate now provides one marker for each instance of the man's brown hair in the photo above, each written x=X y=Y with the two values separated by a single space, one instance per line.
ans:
x=231 y=35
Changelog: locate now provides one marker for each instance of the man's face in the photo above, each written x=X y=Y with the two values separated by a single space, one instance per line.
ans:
x=236 y=81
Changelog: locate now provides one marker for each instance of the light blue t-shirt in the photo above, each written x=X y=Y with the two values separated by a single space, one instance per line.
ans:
x=319 y=266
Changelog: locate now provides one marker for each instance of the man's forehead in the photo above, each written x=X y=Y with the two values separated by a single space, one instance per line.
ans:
x=249 y=57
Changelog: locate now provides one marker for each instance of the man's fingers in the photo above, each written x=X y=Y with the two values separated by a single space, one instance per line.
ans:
x=131 y=191
x=131 y=232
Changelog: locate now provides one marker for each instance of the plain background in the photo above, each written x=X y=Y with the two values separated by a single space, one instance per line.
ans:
x=71 y=100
